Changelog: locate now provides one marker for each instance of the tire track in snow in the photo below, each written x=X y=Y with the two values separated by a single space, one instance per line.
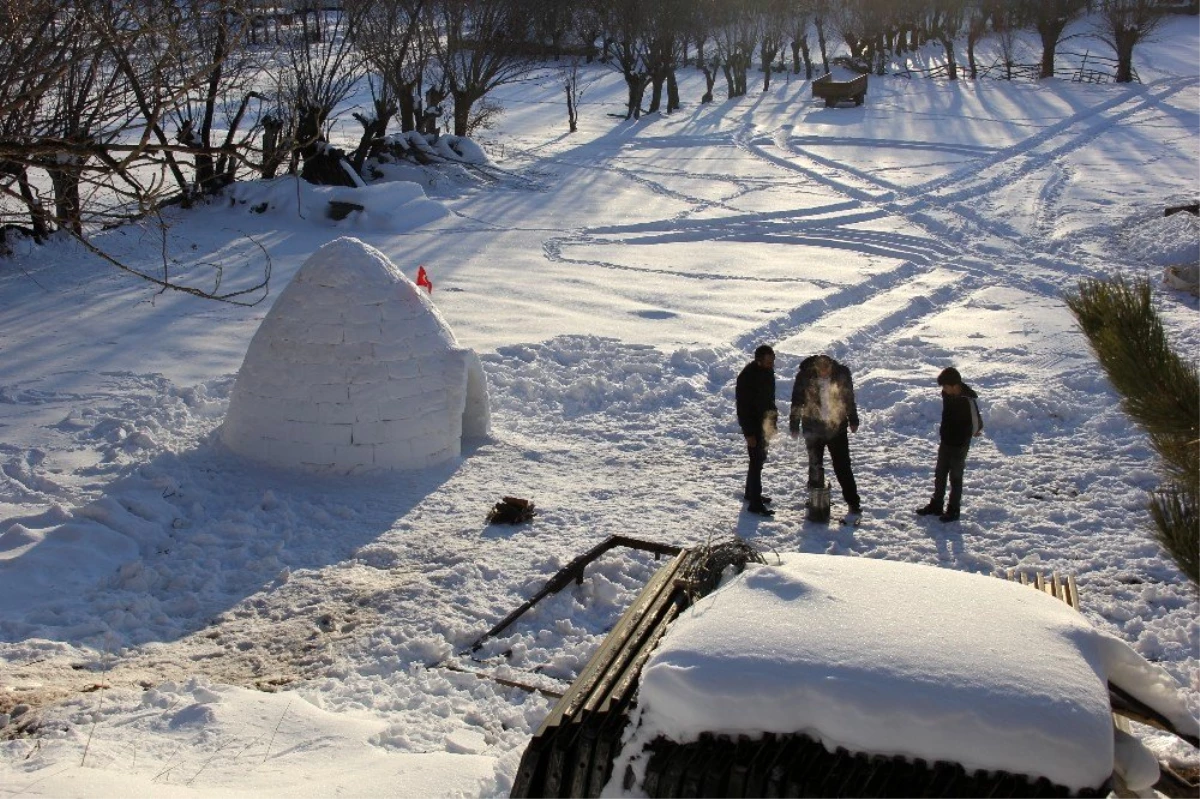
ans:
x=831 y=232
x=1053 y=142
x=896 y=282
x=904 y=281
x=927 y=206
x=977 y=242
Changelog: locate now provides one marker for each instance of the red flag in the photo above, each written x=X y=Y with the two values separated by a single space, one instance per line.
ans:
x=424 y=281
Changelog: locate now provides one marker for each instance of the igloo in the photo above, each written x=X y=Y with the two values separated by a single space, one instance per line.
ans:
x=354 y=370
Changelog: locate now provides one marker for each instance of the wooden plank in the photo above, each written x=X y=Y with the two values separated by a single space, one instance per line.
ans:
x=617 y=679
x=594 y=670
x=1191 y=208
x=1074 y=601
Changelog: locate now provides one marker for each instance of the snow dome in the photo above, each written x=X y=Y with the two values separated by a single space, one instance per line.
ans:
x=354 y=370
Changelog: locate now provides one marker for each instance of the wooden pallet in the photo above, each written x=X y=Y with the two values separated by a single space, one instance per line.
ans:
x=1058 y=587
x=572 y=752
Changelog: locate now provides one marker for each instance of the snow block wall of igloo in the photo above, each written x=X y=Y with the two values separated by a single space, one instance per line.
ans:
x=354 y=370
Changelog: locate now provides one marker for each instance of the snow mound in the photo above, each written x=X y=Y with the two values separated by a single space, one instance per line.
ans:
x=901 y=659
x=1164 y=240
x=444 y=147
x=385 y=207
x=355 y=370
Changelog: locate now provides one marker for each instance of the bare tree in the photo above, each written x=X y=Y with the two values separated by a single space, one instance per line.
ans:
x=86 y=106
x=946 y=22
x=391 y=36
x=1006 y=28
x=575 y=86
x=1050 y=19
x=588 y=22
x=821 y=13
x=979 y=16
x=95 y=130
x=775 y=29
x=215 y=34
x=479 y=45
x=863 y=25
x=664 y=40
x=1125 y=23
x=737 y=31
x=801 y=12
x=628 y=28
x=320 y=68
x=35 y=54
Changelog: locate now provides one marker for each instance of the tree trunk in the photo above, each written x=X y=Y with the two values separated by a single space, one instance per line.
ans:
x=768 y=61
x=820 y=25
x=38 y=219
x=673 y=103
x=1125 y=43
x=406 y=98
x=68 y=204
x=951 y=64
x=1049 y=43
x=636 y=84
x=656 y=87
x=374 y=129
x=462 y=112
x=272 y=156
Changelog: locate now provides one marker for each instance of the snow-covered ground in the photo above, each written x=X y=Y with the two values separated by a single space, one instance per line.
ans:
x=182 y=622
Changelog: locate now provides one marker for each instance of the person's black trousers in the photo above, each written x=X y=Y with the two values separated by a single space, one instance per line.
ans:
x=839 y=454
x=758 y=456
x=951 y=462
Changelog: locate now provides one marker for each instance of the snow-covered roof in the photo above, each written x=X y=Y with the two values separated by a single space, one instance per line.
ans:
x=899 y=659
x=354 y=369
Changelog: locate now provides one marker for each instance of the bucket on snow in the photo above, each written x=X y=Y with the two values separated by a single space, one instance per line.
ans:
x=818 y=504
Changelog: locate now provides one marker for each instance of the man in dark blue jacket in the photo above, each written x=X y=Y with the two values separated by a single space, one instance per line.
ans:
x=961 y=422
x=757 y=416
x=823 y=407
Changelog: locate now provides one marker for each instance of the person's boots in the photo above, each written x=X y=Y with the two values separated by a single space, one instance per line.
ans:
x=951 y=515
x=760 y=509
x=930 y=510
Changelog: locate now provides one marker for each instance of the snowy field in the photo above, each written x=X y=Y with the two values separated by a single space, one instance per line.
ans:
x=181 y=622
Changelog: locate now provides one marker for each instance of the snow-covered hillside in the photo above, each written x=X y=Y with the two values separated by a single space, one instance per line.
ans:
x=182 y=622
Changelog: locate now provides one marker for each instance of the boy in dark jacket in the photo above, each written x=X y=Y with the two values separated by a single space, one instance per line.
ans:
x=823 y=407
x=757 y=416
x=961 y=422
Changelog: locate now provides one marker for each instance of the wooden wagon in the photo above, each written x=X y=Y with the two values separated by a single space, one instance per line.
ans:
x=835 y=91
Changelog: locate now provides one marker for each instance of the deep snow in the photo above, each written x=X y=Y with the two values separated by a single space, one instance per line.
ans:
x=613 y=282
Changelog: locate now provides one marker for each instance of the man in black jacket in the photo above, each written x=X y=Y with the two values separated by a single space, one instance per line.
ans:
x=961 y=422
x=823 y=407
x=757 y=416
